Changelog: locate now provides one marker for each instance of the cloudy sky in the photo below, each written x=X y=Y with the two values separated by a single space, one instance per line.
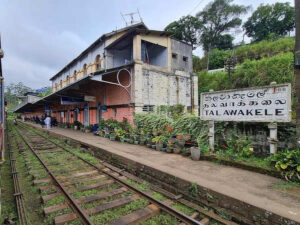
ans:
x=39 y=37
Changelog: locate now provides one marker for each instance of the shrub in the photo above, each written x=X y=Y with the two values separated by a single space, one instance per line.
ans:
x=191 y=125
x=288 y=163
x=151 y=122
x=258 y=50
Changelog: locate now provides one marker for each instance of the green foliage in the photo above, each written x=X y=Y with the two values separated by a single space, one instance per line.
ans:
x=217 y=58
x=121 y=133
x=265 y=48
x=186 y=29
x=216 y=81
x=12 y=91
x=193 y=190
x=48 y=92
x=288 y=163
x=191 y=125
x=277 y=19
x=159 y=139
x=218 y=18
x=258 y=50
x=77 y=123
x=241 y=145
x=198 y=63
x=151 y=122
x=278 y=68
x=173 y=111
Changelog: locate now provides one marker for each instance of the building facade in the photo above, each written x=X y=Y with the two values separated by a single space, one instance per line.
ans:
x=133 y=69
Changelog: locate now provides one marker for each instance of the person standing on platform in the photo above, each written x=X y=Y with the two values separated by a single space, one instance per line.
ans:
x=48 y=122
x=43 y=121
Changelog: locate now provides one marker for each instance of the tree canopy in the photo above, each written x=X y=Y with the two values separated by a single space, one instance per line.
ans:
x=12 y=91
x=187 y=28
x=219 y=17
x=275 y=19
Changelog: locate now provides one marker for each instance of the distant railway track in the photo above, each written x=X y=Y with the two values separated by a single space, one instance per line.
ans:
x=70 y=173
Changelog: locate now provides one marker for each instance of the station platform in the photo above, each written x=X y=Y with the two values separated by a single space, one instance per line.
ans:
x=253 y=188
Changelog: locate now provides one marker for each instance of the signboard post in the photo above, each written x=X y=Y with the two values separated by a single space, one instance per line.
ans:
x=258 y=104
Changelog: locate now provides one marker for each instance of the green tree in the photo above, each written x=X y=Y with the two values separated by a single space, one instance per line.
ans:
x=187 y=28
x=266 y=20
x=48 y=92
x=220 y=17
x=12 y=91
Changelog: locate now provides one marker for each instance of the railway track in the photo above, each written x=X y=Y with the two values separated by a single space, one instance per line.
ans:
x=72 y=176
x=19 y=198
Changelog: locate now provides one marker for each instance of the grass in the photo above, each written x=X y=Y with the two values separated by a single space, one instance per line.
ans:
x=8 y=207
x=111 y=215
x=252 y=160
x=286 y=185
x=161 y=219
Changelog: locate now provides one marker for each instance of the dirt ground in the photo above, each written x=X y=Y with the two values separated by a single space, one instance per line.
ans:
x=253 y=188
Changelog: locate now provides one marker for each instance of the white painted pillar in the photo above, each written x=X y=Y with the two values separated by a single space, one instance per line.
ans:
x=273 y=138
x=211 y=135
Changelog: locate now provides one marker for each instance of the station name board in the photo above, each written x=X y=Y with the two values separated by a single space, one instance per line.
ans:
x=259 y=104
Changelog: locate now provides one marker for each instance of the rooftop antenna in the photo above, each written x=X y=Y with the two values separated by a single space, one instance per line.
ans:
x=129 y=18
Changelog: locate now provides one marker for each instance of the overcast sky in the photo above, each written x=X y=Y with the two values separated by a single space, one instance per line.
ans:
x=39 y=37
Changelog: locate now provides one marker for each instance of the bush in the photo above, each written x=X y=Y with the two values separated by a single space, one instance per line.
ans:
x=288 y=163
x=278 y=68
x=151 y=122
x=258 y=50
x=191 y=125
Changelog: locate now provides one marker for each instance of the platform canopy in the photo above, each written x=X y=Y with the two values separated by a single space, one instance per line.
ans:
x=73 y=89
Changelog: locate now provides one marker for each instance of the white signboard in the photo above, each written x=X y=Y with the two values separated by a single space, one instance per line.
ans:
x=259 y=104
x=88 y=98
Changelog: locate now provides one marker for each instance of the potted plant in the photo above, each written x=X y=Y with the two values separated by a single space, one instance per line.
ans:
x=180 y=140
x=159 y=141
x=121 y=134
x=112 y=136
x=77 y=125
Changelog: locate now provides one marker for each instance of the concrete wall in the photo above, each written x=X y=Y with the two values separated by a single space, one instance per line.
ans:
x=181 y=50
x=153 y=86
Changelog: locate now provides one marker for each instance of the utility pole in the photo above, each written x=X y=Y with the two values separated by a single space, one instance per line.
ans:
x=2 y=105
x=297 y=66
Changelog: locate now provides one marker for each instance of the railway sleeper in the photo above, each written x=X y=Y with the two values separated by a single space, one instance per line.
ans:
x=78 y=174
x=84 y=200
x=68 y=183
x=83 y=188
x=66 y=218
x=40 y=181
x=137 y=216
x=46 y=198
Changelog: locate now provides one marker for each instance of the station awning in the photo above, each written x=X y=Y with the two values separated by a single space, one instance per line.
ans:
x=73 y=89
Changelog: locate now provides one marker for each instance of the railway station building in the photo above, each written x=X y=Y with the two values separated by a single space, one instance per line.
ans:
x=133 y=69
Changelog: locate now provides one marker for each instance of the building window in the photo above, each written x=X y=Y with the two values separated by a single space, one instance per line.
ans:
x=174 y=56
x=185 y=59
x=84 y=69
x=60 y=83
x=68 y=79
x=115 y=112
x=98 y=63
x=148 y=108
x=154 y=54
x=75 y=75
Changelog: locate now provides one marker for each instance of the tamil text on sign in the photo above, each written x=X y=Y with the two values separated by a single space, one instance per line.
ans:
x=260 y=104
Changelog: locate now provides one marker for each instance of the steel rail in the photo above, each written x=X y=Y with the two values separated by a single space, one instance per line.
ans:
x=76 y=207
x=19 y=198
x=179 y=215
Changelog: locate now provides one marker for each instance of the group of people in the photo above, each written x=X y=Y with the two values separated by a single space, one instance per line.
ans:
x=45 y=120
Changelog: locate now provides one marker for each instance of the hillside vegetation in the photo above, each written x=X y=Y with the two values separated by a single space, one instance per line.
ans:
x=255 y=51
